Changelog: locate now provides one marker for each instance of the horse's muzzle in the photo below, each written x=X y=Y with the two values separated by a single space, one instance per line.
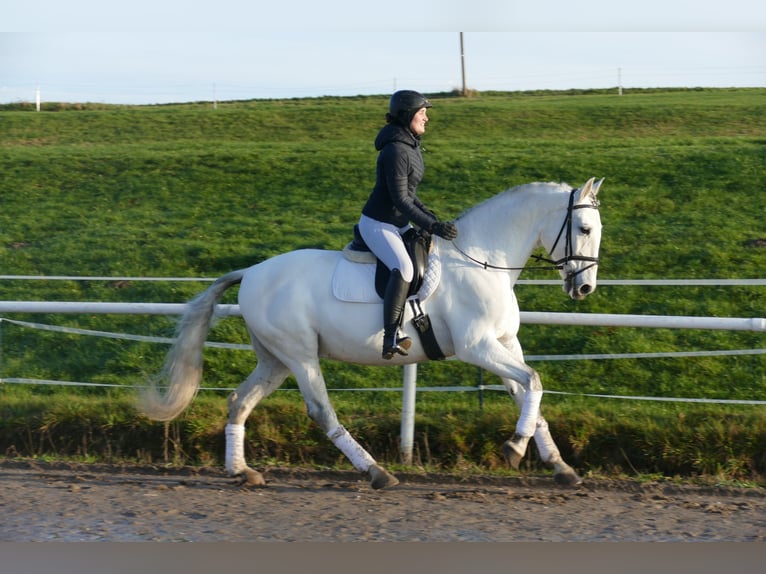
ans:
x=579 y=283
x=575 y=289
x=584 y=290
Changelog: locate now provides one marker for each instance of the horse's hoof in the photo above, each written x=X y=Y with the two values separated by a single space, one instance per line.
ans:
x=567 y=478
x=381 y=478
x=512 y=456
x=250 y=477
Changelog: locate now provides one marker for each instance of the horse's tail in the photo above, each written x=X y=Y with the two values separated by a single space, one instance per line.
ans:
x=183 y=366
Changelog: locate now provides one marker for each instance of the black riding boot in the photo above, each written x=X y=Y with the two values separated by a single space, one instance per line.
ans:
x=393 y=308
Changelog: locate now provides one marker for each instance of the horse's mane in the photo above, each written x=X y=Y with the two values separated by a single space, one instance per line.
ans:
x=518 y=189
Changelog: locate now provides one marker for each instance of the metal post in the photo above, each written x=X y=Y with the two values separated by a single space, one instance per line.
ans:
x=481 y=389
x=408 y=412
x=462 y=64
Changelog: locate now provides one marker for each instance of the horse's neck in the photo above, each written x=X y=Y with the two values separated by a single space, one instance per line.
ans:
x=505 y=229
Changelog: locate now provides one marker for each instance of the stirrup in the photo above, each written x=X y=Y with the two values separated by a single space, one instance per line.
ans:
x=389 y=352
x=397 y=346
x=404 y=342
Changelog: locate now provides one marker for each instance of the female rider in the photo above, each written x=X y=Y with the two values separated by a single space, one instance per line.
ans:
x=393 y=205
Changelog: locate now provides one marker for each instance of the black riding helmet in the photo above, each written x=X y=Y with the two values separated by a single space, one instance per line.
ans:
x=403 y=106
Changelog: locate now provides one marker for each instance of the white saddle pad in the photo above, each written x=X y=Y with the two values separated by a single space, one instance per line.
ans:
x=355 y=282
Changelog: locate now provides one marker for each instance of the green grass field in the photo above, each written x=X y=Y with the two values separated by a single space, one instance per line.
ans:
x=192 y=191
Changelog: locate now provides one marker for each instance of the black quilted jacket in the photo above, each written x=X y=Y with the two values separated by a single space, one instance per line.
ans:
x=399 y=171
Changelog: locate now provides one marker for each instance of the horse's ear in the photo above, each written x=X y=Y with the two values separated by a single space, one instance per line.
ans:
x=596 y=187
x=590 y=189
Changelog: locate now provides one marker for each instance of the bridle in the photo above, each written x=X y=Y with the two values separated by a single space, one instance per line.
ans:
x=568 y=255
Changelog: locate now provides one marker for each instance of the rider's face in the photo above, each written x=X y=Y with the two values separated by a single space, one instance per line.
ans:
x=419 y=121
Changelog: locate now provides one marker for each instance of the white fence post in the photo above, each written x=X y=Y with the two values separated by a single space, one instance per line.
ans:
x=408 y=412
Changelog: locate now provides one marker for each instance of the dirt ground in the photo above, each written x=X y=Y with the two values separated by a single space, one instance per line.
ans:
x=83 y=502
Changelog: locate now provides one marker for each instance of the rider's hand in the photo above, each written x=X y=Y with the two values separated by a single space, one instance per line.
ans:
x=445 y=229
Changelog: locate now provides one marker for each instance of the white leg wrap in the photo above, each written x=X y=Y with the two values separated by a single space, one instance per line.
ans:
x=530 y=410
x=545 y=445
x=235 y=448
x=359 y=457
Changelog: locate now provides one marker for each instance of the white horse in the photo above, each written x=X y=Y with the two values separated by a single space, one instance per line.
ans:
x=294 y=319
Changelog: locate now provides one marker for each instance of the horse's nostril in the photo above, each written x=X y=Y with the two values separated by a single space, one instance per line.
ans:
x=585 y=289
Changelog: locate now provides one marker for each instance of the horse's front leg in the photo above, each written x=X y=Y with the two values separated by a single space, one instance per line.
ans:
x=564 y=474
x=549 y=452
x=492 y=355
x=515 y=447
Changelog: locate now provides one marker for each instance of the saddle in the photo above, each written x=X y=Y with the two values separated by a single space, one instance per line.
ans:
x=418 y=245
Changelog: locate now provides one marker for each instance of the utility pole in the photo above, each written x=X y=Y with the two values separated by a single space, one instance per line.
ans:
x=462 y=64
x=619 y=81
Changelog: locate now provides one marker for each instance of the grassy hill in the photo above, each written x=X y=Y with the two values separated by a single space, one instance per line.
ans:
x=191 y=191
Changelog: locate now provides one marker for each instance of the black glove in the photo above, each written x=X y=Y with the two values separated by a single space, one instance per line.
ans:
x=445 y=229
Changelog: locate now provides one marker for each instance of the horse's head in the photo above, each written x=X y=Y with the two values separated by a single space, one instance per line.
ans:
x=575 y=248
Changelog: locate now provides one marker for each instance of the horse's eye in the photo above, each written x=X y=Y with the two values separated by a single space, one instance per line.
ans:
x=585 y=230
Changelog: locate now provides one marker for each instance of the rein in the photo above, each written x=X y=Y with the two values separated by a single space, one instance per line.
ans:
x=559 y=263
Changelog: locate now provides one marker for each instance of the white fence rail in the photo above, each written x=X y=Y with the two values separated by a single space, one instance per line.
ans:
x=604 y=282
x=533 y=317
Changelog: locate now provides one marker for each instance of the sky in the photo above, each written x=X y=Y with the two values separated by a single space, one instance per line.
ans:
x=173 y=51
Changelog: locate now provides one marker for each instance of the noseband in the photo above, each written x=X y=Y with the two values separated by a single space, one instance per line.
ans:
x=568 y=255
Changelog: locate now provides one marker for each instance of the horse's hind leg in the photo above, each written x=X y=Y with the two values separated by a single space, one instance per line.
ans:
x=265 y=379
x=320 y=410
